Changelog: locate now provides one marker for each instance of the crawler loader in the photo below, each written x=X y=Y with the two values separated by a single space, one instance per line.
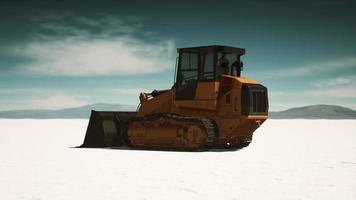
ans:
x=210 y=106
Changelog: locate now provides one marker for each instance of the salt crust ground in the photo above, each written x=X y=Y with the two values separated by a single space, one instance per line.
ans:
x=288 y=159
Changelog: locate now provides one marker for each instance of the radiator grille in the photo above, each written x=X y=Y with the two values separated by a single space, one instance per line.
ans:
x=254 y=99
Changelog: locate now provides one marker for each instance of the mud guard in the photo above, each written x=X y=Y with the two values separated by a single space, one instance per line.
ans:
x=108 y=129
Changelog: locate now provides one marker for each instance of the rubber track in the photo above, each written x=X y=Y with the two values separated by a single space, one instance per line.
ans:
x=209 y=124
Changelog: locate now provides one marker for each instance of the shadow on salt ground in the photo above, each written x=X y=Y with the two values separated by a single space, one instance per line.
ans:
x=162 y=149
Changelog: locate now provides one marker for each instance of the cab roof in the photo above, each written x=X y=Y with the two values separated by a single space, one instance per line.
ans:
x=228 y=49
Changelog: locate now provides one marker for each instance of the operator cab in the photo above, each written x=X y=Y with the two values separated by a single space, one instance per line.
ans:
x=205 y=64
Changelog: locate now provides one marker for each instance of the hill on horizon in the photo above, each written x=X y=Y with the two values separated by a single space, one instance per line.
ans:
x=307 y=112
x=66 y=113
x=320 y=111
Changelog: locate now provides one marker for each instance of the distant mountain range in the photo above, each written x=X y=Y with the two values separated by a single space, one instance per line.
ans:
x=315 y=112
x=83 y=112
x=67 y=113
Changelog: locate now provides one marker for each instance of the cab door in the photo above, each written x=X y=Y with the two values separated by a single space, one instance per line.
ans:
x=187 y=75
x=196 y=86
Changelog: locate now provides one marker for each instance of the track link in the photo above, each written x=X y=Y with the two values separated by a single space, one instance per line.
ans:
x=209 y=124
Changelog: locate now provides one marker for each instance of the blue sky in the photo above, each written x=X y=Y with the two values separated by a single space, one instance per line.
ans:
x=58 y=54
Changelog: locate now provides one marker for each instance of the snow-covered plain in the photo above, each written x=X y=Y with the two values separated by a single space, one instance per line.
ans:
x=288 y=159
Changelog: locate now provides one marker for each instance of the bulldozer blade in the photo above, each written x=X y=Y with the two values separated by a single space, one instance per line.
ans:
x=108 y=129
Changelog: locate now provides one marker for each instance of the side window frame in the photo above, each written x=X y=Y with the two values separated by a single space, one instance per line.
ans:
x=202 y=57
x=180 y=78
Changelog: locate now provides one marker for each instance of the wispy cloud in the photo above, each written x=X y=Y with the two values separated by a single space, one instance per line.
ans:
x=340 y=90
x=312 y=68
x=104 y=45
x=336 y=92
x=41 y=99
x=46 y=98
x=58 y=101
x=336 y=81
x=130 y=91
x=276 y=93
x=338 y=87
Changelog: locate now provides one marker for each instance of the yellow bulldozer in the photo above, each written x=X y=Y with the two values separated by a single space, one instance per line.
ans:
x=210 y=106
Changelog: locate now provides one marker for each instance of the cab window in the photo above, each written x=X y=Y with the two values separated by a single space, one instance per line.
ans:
x=207 y=63
x=189 y=61
x=225 y=61
x=187 y=75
